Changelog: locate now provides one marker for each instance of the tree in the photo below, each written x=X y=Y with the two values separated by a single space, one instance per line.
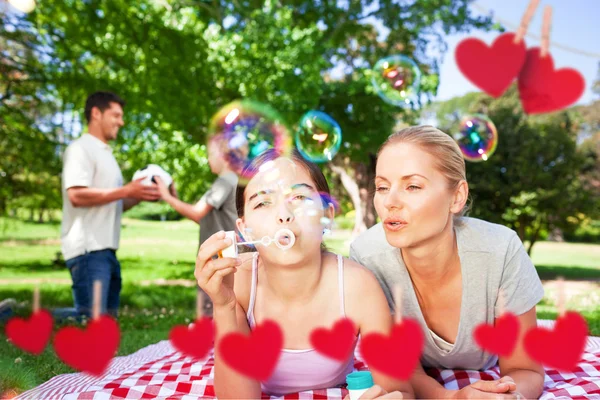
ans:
x=534 y=182
x=29 y=145
x=176 y=62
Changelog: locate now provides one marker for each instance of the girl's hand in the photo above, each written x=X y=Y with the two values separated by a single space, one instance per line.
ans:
x=377 y=392
x=215 y=276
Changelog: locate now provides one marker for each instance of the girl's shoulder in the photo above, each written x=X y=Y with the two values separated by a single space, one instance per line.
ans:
x=356 y=276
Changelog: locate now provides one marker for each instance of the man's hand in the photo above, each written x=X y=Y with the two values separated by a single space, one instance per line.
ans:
x=136 y=190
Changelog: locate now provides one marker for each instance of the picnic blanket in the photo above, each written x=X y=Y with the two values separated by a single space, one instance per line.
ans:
x=160 y=371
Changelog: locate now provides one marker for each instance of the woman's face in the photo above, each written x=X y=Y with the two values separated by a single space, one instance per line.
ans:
x=284 y=196
x=412 y=197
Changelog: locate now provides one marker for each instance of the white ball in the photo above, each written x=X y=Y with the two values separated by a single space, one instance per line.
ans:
x=149 y=172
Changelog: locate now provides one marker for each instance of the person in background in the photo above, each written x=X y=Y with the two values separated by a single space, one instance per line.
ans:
x=93 y=200
x=215 y=211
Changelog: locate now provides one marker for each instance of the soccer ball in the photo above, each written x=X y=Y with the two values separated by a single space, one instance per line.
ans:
x=149 y=172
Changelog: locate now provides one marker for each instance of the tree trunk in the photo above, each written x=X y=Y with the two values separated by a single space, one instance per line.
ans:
x=534 y=237
x=367 y=184
x=354 y=191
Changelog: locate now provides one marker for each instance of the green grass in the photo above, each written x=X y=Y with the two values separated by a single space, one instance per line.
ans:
x=166 y=250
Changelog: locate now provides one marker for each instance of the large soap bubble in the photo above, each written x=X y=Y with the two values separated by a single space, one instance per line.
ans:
x=397 y=80
x=318 y=137
x=245 y=129
x=477 y=137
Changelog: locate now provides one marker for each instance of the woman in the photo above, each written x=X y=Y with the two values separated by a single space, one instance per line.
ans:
x=301 y=288
x=451 y=268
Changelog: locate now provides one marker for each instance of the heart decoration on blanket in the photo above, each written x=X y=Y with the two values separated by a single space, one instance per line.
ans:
x=255 y=355
x=500 y=338
x=194 y=340
x=31 y=335
x=89 y=350
x=398 y=354
x=491 y=68
x=561 y=347
x=543 y=89
x=336 y=343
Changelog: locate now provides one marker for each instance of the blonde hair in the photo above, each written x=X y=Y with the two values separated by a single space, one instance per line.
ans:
x=449 y=158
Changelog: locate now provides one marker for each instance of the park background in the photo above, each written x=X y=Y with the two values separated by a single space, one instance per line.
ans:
x=177 y=62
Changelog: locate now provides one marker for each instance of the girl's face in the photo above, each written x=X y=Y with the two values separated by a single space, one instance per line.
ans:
x=412 y=198
x=284 y=196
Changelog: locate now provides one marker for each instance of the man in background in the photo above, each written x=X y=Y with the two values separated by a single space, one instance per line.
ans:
x=93 y=200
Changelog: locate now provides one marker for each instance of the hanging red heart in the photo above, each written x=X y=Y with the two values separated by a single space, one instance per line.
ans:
x=194 y=341
x=31 y=335
x=500 y=338
x=562 y=347
x=89 y=350
x=256 y=355
x=336 y=343
x=398 y=354
x=544 y=89
x=492 y=69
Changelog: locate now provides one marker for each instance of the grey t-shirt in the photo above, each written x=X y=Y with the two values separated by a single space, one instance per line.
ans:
x=492 y=257
x=221 y=196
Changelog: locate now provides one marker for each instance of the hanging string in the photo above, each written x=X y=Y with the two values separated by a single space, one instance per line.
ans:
x=515 y=27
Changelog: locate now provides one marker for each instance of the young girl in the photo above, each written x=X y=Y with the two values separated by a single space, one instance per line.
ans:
x=301 y=288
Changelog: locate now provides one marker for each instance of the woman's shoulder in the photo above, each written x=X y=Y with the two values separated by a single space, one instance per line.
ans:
x=479 y=235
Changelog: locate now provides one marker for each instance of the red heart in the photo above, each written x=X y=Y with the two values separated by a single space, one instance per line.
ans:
x=544 y=89
x=492 y=69
x=89 y=350
x=195 y=341
x=336 y=343
x=256 y=355
x=562 y=347
x=398 y=354
x=30 y=335
x=500 y=339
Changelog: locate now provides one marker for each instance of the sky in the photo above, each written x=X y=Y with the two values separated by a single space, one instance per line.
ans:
x=575 y=24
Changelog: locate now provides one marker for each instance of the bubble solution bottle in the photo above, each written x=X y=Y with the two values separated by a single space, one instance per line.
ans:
x=358 y=383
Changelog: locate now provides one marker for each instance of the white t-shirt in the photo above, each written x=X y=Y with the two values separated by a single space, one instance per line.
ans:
x=89 y=162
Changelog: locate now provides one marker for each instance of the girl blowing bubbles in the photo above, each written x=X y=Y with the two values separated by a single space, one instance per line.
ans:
x=301 y=288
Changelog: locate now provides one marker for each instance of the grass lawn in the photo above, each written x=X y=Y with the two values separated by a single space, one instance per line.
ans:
x=155 y=251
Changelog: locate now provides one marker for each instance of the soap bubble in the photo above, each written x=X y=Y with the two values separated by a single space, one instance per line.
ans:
x=397 y=80
x=318 y=137
x=245 y=129
x=477 y=137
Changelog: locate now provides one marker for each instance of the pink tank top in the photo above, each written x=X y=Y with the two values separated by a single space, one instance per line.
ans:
x=300 y=370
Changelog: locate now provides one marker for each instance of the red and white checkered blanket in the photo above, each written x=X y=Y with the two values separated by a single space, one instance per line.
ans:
x=160 y=371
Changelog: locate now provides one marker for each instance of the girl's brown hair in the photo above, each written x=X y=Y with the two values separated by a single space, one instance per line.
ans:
x=313 y=170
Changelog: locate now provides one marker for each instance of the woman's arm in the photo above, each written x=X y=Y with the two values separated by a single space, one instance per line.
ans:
x=369 y=310
x=527 y=374
x=230 y=384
